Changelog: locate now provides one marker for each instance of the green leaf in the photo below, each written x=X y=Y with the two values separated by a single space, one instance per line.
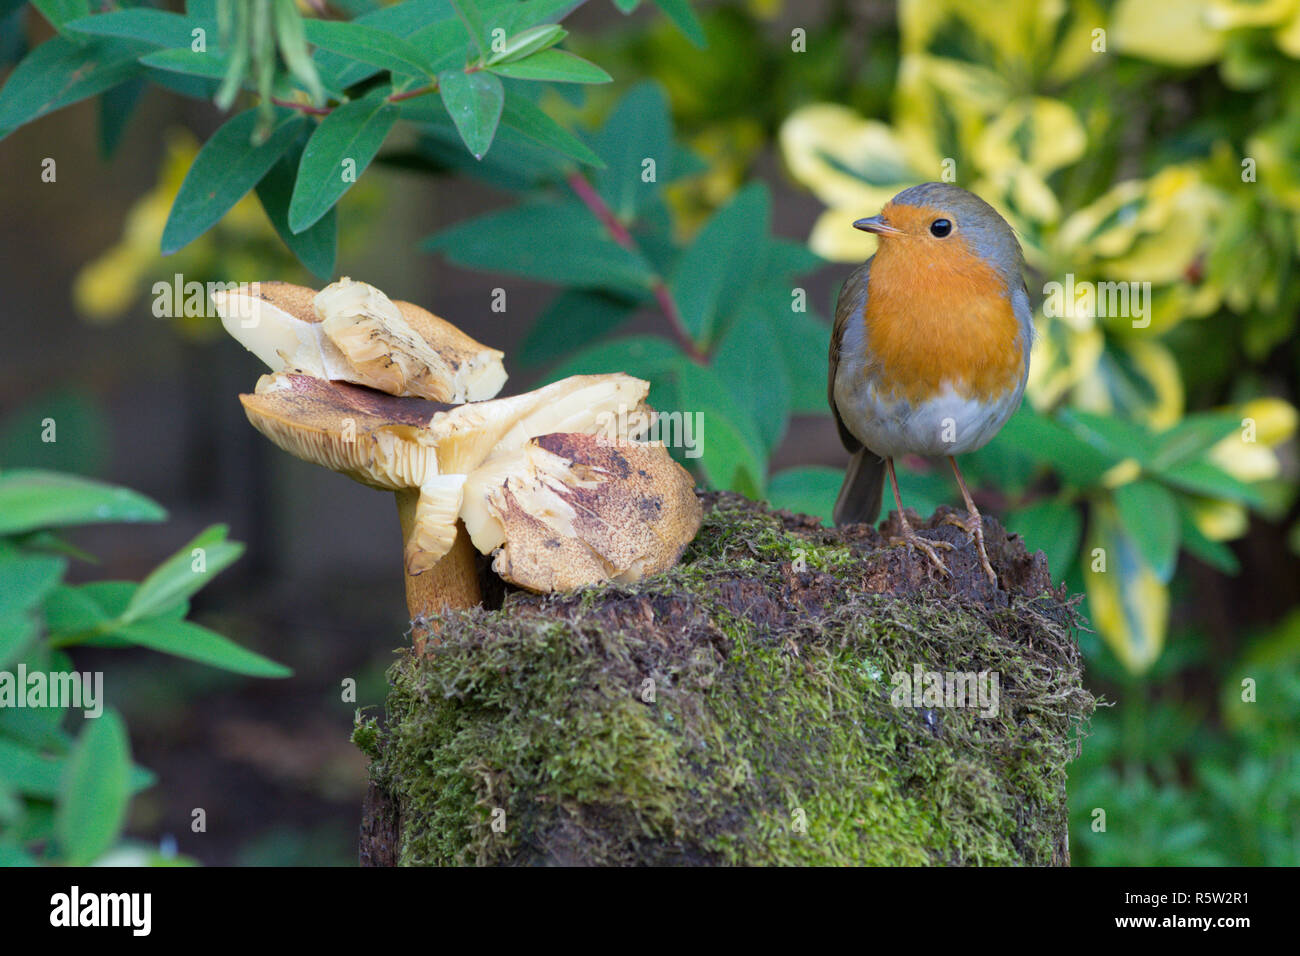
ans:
x=639 y=129
x=29 y=772
x=1053 y=527
x=353 y=134
x=680 y=12
x=368 y=44
x=527 y=118
x=25 y=580
x=429 y=27
x=1128 y=604
x=183 y=574
x=211 y=66
x=316 y=247
x=196 y=643
x=223 y=172
x=1077 y=462
x=809 y=491
x=60 y=12
x=157 y=27
x=1111 y=436
x=645 y=356
x=85 y=616
x=729 y=461
x=1192 y=437
x=557 y=66
x=803 y=342
x=514 y=16
x=1149 y=513
x=733 y=457
x=17 y=631
x=12 y=855
x=749 y=360
x=291 y=38
x=720 y=260
x=71 y=610
x=1203 y=478
x=116 y=107
x=561 y=243
x=94 y=791
x=78 y=443
x=32 y=499
x=474 y=102
x=13 y=32
x=472 y=17
x=786 y=258
x=60 y=72
x=516 y=164
x=574 y=319
x=528 y=42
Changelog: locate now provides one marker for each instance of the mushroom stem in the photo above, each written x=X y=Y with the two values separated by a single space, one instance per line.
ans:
x=451 y=583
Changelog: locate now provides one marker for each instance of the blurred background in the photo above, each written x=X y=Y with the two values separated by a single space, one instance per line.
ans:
x=1151 y=142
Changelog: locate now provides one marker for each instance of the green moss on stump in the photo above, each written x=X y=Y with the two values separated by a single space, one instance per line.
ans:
x=771 y=737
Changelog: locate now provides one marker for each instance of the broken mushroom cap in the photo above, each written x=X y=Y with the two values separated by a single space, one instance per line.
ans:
x=522 y=472
x=352 y=332
x=572 y=509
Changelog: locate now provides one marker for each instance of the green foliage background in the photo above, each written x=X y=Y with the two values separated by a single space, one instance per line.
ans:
x=1149 y=141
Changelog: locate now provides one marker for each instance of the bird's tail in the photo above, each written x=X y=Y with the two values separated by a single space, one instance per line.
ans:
x=864 y=483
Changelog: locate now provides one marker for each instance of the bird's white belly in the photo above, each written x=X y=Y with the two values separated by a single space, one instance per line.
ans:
x=947 y=424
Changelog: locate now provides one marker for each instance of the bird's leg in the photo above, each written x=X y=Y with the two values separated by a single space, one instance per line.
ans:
x=910 y=538
x=973 y=524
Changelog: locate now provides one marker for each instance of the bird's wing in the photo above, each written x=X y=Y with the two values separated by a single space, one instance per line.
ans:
x=851 y=303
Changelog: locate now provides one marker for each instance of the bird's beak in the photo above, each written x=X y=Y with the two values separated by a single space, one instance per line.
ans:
x=878 y=226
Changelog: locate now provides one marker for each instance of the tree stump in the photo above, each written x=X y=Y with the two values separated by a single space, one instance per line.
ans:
x=788 y=694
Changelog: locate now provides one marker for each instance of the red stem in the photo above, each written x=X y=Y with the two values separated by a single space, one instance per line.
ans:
x=327 y=110
x=618 y=231
x=302 y=107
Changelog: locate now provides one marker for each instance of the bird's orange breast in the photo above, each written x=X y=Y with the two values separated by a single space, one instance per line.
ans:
x=938 y=314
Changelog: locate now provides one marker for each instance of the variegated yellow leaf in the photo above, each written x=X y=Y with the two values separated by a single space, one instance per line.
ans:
x=1130 y=607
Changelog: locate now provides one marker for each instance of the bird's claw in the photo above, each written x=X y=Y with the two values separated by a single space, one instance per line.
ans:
x=910 y=539
x=973 y=525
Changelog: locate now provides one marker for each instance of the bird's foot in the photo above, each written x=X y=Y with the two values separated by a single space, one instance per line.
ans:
x=973 y=525
x=910 y=539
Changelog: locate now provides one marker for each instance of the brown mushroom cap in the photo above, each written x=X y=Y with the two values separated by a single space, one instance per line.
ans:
x=352 y=332
x=376 y=439
x=569 y=509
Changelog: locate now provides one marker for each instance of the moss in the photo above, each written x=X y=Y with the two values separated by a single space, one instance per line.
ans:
x=533 y=734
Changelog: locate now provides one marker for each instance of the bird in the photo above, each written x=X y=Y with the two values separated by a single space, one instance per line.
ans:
x=929 y=353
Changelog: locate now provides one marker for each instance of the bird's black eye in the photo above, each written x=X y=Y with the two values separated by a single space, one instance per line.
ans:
x=940 y=228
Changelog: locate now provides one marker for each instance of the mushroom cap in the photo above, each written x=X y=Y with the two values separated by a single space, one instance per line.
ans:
x=566 y=510
x=394 y=442
x=352 y=332
x=402 y=349
x=379 y=440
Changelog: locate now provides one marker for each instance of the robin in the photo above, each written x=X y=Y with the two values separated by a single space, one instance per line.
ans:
x=930 y=350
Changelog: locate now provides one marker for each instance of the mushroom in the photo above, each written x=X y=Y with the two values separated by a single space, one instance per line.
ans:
x=554 y=483
x=570 y=509
x=352 y=332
